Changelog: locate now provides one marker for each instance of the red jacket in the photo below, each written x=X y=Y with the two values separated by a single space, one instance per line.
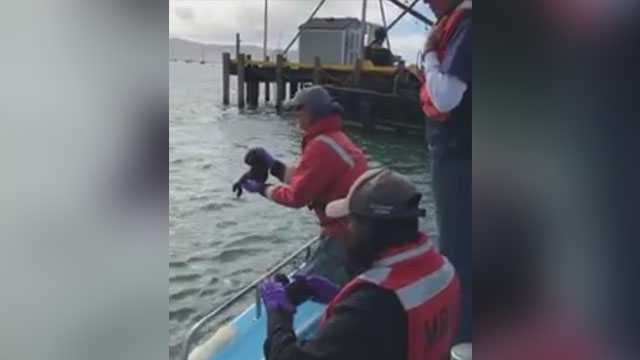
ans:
x=426 y=285
x=330 y=163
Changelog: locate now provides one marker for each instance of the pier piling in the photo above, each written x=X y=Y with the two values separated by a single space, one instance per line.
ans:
x=255 y=87
x=247 y=91
x=293 y=89
x=366 y=114
x=241 y=81
x=357 y=72
x=267 y=86
x=250 y=94
x=279 y=82
x=226 y=67
x=399 y=77
x=237 y=45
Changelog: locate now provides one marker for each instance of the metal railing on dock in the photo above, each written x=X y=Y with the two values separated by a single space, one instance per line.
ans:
x=306 y=249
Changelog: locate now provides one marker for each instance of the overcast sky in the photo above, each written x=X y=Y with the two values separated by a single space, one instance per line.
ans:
x=217 y=21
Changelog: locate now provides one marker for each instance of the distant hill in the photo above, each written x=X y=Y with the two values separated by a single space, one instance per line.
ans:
x=181 y=49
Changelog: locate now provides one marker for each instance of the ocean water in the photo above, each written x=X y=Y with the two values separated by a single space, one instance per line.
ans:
x=218 y=243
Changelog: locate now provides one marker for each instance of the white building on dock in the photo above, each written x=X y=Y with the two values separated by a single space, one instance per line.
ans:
x=333 y=40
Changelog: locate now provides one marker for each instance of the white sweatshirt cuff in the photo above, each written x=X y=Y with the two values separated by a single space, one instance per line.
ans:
x=446 y=90
x=288 y=173
x=431 y=61
x=268 y=191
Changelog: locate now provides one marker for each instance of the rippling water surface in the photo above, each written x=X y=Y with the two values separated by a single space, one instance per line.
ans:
x=219 y=243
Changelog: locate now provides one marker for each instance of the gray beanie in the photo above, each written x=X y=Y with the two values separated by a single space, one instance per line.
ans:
x=316 y=100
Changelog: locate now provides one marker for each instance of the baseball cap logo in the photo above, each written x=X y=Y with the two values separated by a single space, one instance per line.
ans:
x=381 y=209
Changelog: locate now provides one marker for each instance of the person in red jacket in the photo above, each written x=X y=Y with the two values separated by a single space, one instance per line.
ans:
x=330 y=163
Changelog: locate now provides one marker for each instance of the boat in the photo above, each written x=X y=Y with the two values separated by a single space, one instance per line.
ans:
x=242 y=338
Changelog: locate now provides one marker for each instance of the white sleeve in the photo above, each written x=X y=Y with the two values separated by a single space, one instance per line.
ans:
x=446 y=90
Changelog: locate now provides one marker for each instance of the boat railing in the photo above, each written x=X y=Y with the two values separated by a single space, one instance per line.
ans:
x=254 y=286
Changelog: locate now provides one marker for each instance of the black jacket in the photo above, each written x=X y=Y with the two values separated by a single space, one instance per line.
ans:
x=369 y=324
x=378 y=55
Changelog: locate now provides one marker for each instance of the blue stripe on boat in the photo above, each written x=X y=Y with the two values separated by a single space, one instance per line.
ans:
x=250 y=332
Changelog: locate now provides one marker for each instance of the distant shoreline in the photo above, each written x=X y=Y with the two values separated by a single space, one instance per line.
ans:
x=182 y=49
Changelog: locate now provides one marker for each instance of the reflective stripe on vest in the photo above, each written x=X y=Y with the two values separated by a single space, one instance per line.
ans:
x=418 y=291
x=422 y=289
x=337 y=149
x=376 y=275
x=388 y=261
x=425 y=289
x=381 y=268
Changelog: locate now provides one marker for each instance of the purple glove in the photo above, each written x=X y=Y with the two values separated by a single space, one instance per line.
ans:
x=322 y=290
x=274 y=296
x=259 y=156
x=253 y=186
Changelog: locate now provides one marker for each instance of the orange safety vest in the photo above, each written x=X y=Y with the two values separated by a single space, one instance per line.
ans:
x=449 y=23
x=428 y=288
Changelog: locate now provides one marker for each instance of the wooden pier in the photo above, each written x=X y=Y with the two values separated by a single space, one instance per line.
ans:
x=374 y=97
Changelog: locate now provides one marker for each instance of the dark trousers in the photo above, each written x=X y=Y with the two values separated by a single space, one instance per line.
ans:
x=451 y=174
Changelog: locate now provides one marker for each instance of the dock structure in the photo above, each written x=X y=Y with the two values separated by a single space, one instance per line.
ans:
x=332 y=54
x=373 y=96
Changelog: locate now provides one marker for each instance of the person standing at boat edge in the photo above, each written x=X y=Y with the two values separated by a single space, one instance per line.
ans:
x=446 y=96
x=376 y=52
x=329 y=164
